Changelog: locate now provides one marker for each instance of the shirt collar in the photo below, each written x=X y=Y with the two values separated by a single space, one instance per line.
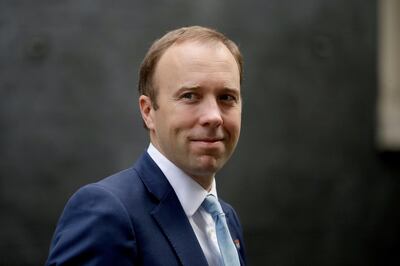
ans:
x=188 y=191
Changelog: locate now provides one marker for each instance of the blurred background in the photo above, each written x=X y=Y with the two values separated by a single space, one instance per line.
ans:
x=309 y=179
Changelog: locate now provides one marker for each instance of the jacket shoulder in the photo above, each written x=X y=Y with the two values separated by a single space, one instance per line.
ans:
x=84 y=236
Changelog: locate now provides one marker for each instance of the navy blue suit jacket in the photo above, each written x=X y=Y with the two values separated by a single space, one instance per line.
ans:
x=131 y=218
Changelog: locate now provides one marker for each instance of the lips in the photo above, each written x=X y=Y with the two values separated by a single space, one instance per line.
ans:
x=210 y=140
x=208 y=144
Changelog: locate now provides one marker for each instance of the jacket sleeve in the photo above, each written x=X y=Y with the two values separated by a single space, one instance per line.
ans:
x=94 y=229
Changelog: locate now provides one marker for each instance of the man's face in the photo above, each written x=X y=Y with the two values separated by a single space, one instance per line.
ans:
x=197 y=124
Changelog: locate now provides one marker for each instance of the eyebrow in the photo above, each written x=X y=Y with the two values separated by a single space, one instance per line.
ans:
x=197 y=87
x=186 y=88
x=234 y=91
x=194 y=87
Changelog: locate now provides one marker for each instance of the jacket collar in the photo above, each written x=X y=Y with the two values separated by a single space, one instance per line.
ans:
x=169 y=213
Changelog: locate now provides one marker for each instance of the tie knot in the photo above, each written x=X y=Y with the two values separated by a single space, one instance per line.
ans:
x=212 y=206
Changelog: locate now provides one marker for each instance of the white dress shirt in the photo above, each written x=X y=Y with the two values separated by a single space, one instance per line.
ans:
x=191 y=195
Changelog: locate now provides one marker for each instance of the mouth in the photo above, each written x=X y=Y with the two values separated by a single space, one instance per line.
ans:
x=207 y=140
x=208 y=144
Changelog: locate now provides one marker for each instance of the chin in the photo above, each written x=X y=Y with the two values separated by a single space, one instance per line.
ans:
x=208 y=165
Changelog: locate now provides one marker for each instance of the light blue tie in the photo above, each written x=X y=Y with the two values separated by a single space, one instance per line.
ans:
x=228 y=251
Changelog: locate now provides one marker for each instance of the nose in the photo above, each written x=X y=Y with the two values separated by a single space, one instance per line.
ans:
x=210 y=113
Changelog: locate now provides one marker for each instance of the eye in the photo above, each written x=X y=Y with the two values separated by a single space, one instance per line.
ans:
x=227 y=98
x=188 y=95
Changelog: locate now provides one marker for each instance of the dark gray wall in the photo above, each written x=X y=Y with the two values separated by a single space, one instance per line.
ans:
x=306 y=179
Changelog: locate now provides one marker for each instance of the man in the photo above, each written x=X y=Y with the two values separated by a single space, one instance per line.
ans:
x=164 y=210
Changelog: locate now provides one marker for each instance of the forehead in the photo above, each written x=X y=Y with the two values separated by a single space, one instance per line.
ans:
x=195 y=50
x=195 y=56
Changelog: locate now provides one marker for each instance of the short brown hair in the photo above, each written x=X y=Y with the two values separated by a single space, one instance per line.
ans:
x=158 y=48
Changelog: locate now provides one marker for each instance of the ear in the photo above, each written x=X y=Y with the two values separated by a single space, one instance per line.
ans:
x=147 y=111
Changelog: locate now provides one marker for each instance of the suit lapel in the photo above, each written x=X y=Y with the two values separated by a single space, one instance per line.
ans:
x=169 y=213
x=236 y=236
x=173 y=221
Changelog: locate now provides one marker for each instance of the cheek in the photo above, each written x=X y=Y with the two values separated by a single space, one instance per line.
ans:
x=183 y=121
x=177 y=129
x=233 y=123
